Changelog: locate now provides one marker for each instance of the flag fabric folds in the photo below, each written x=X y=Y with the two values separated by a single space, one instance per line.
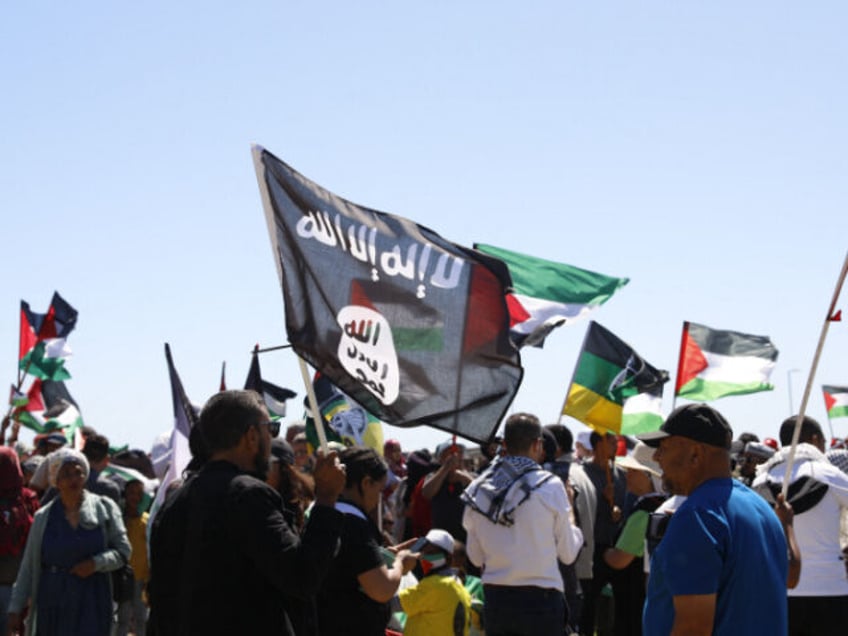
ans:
x=274 y=396
x=185 y=417
x=49 y=407
x=835 y=400
x=43 y=348
x=546 y=294
x=715 y=363
x=346 y=421
x=411 y=326
x=46 y=360
x=614 y=389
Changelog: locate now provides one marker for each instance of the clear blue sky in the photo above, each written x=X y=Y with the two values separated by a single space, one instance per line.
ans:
x=696 y=148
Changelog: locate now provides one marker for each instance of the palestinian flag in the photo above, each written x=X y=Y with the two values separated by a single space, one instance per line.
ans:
x=546 y=295
x=835 y=400
x=715 y=363
x=345 y=420
x=16 y=398
x=49 y=408
x=613 y=388
x=30 y=326
x=57 y=323
x=46 y=360
x=274 y=396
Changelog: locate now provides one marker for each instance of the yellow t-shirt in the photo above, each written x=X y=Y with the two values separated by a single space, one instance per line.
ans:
x=136 y=533
x=437 y=605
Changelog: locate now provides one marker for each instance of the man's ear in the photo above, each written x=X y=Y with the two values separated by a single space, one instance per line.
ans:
x=251 y=437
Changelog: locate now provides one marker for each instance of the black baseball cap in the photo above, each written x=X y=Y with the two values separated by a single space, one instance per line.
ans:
x=697 y=422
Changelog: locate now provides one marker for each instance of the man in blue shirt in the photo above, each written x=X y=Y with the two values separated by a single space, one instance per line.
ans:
x=721 y=566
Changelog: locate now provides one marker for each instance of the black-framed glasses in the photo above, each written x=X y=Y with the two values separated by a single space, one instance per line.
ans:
x=273 y=427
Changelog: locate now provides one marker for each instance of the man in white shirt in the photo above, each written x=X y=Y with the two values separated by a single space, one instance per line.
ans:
x=518 y=517
x=818 y=491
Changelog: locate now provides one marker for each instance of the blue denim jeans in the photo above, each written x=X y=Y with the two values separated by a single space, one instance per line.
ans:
x=523 y=611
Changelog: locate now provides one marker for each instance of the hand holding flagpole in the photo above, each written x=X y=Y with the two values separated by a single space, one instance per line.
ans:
x=832 y=316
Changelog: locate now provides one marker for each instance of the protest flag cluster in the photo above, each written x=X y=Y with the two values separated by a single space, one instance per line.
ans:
x=46 y=404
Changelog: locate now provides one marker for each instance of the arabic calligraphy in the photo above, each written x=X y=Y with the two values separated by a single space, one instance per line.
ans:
x=412 y=260
x=366 y=350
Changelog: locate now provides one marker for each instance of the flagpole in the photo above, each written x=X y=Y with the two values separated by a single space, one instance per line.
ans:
x=832 y=316
x=680 y=362
x=313 y=405
x=266 y=349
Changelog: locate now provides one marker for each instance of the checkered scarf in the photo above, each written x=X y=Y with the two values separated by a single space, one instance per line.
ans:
x=503 y=487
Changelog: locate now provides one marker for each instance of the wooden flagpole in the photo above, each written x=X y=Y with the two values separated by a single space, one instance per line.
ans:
x=832 y=316
x=313 y=405
x=256 y=151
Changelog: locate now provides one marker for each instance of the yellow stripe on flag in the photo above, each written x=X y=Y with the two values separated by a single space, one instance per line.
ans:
x=592 y=409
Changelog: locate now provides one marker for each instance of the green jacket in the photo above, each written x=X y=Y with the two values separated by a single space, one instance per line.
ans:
x=95 y=511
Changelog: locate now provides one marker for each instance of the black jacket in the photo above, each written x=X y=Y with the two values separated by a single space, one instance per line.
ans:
x=224 y=560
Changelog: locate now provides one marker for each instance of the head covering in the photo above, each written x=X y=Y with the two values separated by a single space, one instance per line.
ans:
x=282 y=451
x=31 y=464
x=11 y=477
x=642 y=458
x=57 y=438
x=445 y=446
x=62 y=456
x=697 y=422
x=760 y=451
x=390 y=443
x=22 y=448
x=441 y=539
x=584 y=439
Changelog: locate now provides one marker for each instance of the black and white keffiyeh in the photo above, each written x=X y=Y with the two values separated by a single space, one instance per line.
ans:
x=503 y=487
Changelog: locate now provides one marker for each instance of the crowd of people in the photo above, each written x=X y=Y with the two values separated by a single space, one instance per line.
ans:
x=684 y=530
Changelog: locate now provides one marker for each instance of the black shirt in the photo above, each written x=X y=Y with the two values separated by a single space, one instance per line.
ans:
x=343 y=608
x=223 y=558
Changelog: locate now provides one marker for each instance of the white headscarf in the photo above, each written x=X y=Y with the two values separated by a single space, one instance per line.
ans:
x=62 y=456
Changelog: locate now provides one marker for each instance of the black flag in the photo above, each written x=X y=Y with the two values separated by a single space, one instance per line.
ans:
x=411 y=326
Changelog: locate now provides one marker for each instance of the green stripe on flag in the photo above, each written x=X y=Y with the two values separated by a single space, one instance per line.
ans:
x=699 y=389
x=596 y=374
x=559 y=282
x=407 y=339
x=838 y=411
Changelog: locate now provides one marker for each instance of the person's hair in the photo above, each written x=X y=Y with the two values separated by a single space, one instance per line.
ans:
x=297 y=490
x=563 y=437
x=594 y=438
x=132 y=481
x=520 y=432
x=226 y=416
x=549 y=444
x=809 y=428
x=96 y=448
x=748 y=437
x=361 y=462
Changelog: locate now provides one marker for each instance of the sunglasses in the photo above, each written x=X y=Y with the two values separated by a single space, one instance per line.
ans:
x=273 y=427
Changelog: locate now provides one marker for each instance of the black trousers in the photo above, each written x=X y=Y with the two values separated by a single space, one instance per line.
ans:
x=818 y=615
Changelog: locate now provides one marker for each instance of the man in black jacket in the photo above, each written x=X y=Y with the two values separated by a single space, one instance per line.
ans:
x=223 y=558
